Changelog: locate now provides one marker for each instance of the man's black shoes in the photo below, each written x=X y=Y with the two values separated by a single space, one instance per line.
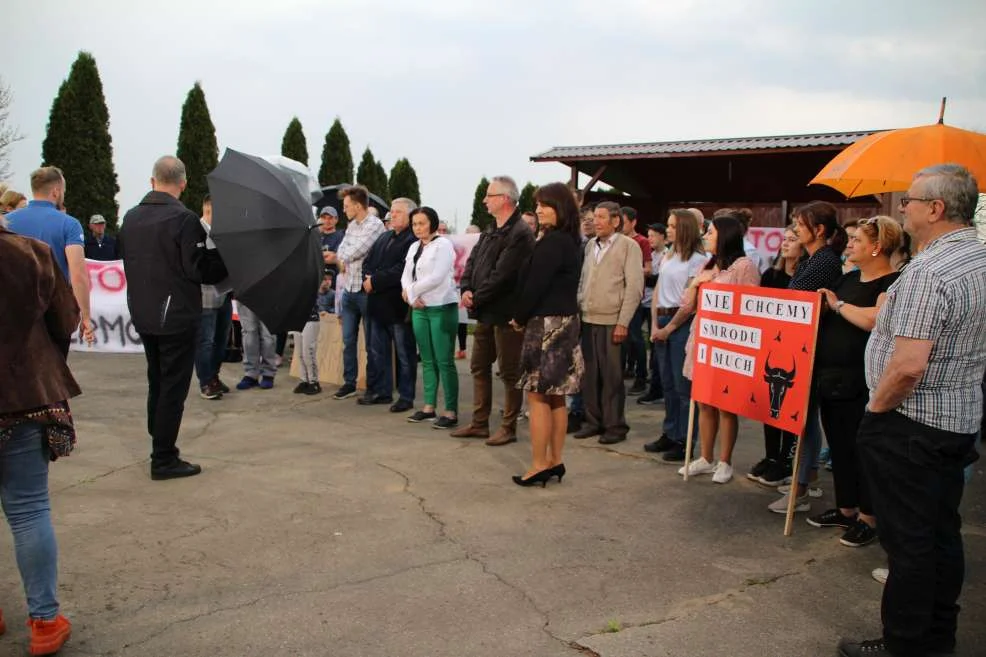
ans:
x=174 y=470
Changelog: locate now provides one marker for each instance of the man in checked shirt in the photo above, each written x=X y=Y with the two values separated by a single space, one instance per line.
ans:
x=362 y=231
x=924 y=367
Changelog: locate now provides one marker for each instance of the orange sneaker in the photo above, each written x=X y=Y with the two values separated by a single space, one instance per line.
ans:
x=48 y=637
x=3 y=626
x=460 y=355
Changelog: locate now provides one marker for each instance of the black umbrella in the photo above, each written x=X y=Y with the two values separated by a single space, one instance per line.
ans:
x=265 y=231
x=330 y=196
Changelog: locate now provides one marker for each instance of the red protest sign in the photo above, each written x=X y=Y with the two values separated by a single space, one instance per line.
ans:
x=754 y=351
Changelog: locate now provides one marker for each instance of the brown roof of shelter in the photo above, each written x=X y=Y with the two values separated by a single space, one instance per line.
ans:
x=667 y=149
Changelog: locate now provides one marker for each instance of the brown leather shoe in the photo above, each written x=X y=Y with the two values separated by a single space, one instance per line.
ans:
x=501 y=437
x=470 y=431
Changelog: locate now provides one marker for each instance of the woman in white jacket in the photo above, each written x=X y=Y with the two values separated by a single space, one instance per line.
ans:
x=429 y=288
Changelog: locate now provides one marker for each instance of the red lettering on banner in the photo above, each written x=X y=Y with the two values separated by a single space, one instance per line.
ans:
x=107 y=276
x=754 y=356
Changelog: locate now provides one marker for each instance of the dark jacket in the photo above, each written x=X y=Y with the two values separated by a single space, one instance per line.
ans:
x=105 y=250
x=550 y=279
x=38 y=311
x=165 y=260
x=384 y=263
x=493 y=270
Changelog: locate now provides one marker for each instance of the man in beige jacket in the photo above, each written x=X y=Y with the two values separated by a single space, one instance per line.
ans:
x=609 y=293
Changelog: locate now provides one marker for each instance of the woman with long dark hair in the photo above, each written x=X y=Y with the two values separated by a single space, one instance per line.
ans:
x=548 y=313
x=429 y=288
x=851 y=307
x=679 y=266
x=729 y=264
x=823 y=239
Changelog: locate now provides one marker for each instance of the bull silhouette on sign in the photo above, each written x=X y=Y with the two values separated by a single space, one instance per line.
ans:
x=779 y=381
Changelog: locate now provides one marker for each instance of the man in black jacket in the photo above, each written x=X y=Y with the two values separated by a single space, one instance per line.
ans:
x=166 y=259
x=387 y=315
x=490 y=288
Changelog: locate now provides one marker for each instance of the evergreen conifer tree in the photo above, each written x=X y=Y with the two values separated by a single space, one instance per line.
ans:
x=293 y=144
x=403 y=181
x=480 y=216
x=337 y=158
x=197 y=147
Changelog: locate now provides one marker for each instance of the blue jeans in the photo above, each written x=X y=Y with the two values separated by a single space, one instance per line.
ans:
x=577 y=406
x=212 y=340
x=813 y=444
x=24 y=494
x=353 y=312
x=663 y=368
x=672 y=364
x=385 y=340
x=635 y=344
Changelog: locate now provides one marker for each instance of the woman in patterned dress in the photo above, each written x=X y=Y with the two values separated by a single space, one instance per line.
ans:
x=548 y=313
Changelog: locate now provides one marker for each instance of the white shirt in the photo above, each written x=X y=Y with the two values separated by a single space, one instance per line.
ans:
x=673 y=279
x=602 y=247
x=433 y=278
x=655 y=267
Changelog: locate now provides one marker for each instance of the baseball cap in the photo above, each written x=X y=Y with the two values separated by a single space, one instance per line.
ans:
x=328 y=210
x=96 y=219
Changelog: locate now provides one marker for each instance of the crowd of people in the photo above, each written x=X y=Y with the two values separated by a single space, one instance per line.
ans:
x=560 y=299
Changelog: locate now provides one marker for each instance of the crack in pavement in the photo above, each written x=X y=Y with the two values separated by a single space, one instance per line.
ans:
x=469 y=556
x=280 y=594
x=686 y=607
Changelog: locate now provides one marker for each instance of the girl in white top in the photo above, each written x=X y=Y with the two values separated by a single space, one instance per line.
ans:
x=429 y=288
x=680 y=264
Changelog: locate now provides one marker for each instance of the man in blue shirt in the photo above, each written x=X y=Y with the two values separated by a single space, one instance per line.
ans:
x=44 y=220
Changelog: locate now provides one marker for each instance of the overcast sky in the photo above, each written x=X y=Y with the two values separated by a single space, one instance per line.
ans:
x=465 y=89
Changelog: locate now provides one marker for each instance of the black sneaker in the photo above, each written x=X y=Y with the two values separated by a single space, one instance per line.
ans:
x=675 y=455
x=858 y=535
x=831 y=518
x=345 y=392
x=639 y=387
x=174 y=470
x=222 y=386
x=777 y=474
x=649 y=399
x=422 y=416
x=445 y=422
x=662 y=444
x=758 y=470
x=300 y=388
x=313 y=388
x=211 y=391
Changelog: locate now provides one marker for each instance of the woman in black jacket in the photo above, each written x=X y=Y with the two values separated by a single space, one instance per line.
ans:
x=548 y=313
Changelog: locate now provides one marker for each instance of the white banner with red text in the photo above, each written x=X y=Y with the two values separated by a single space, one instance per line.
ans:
x=113 y=329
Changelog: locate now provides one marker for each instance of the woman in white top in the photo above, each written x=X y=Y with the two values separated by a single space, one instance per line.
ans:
x=680 y=264
x=429 y=288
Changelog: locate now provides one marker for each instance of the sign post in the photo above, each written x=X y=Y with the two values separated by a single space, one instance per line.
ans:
x=754 y=351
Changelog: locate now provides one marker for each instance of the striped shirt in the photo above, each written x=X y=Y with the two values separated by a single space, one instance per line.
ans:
x=940 y=296
x=359 y=237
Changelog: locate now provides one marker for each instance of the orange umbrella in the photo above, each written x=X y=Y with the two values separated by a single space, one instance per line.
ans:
x=887 y=161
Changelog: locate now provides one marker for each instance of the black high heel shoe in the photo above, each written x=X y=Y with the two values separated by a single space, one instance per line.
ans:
x=541 y=477
x=557 y=471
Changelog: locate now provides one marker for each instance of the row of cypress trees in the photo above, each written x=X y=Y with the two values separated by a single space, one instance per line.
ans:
x=78 y=141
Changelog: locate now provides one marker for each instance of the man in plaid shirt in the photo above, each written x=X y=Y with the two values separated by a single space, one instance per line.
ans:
x=924 y=367
x=363 y=229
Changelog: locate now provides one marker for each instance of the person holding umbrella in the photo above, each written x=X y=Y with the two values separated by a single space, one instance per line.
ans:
x=361 y=232
x=167 y=257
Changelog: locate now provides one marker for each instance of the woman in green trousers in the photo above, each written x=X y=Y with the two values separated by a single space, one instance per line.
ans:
x=429 y=288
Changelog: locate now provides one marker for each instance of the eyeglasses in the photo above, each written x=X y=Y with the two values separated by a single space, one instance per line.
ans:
x=905 y=200
x=493 y=195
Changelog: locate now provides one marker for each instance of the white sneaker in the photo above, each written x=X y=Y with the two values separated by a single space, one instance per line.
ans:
x=801 y=505
x=812 y=492
x=697 y=467
x=723 y=473
x=880 y=574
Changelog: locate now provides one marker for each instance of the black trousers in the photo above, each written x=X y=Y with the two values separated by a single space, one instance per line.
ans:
x=170 y=363
x=840 y=420
x=916 y=479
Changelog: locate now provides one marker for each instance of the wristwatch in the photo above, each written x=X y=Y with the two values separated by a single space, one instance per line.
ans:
x=838 y=306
